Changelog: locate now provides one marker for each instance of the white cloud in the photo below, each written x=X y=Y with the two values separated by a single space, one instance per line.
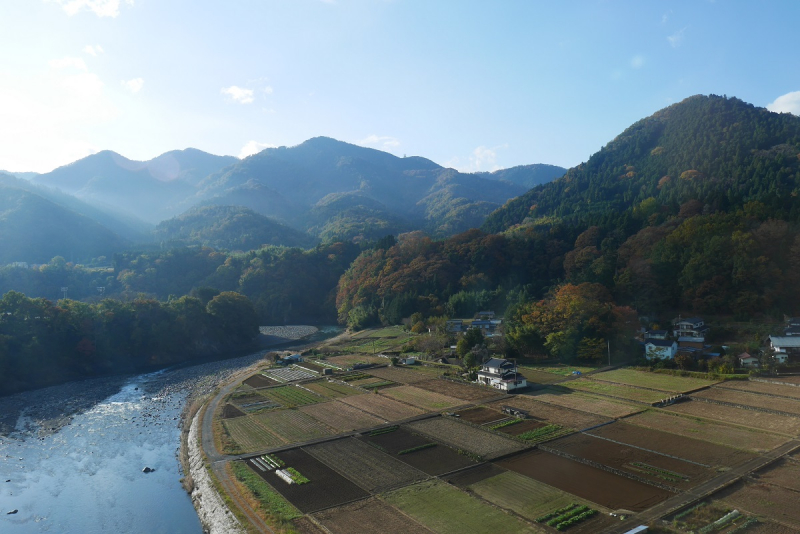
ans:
x=134 y=85
x=382 y=142
x=239 y=94
x=93 y=50
x=482 y=159
x=268 y=90
x=69 y=62
x=637 y=61
x=101 y=8
x=253 y=147
x=676 y=38
x=788 y=103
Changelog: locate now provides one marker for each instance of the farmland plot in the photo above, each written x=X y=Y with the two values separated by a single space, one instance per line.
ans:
x=427 y=400
x=340 y=416
x=291 y=396
x=332 y=390
x=592 y=484
x=366 y=466
x=554 y=414
x=751 y=399
x=663 y=382
x=402 y=376
x=461 y=436
x=368 y=516
x=382 y=407
x=766 y=500
x=585 y=402
x=481 y=415
x=259 y=381
x=293 y=426
x=250 y=435
x=761 y=387
x=784 y=473
x=721 y=434
x=447 y=510
x=459 y=391
x=535 y=376
x=616 y=390
x=349 y=360
x=434 y=461
x=687 y=448
x=779 y=424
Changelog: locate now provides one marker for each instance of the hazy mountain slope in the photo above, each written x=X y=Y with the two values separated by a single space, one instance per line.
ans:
x=719 y=151
x=228 y=227
x=34 y=230
x=527 y=175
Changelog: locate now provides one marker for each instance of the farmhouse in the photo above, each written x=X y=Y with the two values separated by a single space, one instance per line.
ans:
x=656 y=334
x=745 y=360
x=691 y=327
x=789 y=345
x=501 y=374
x=660 y=348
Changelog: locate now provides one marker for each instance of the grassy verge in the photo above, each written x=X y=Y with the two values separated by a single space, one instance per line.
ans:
x=270 y=502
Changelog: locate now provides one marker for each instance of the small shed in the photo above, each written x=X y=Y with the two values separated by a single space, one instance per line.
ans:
x=746 y=360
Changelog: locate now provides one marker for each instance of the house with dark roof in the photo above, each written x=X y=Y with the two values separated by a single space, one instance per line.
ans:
x=691 y=327
x=501 y=374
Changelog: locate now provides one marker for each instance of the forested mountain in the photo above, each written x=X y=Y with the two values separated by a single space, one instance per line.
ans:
x=527 y=175
x=719 y=151
x=151 y=190
x=227 y=228
x=35 y=229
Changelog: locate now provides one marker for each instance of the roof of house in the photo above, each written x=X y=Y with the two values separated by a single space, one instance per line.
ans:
x=657 y=332
x=690 y=320
x=785 y=341
x=748 y=358
x=745 y=355
x=690 y=339
x=497 y=362
x=660 y=342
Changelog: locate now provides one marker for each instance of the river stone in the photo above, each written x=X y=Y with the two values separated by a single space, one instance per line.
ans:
x=14 y=511
x=147 y=470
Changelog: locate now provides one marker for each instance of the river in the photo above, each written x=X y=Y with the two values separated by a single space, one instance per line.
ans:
x=71 y=456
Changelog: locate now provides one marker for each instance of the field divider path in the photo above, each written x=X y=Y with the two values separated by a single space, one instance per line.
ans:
x=612 y=470
x=673 y=504
x=649 y=450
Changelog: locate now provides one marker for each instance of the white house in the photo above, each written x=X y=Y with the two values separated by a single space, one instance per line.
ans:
x=745 y=360
x=789 y=345
x=501 y=374
x=660 y=348
x=691 y=327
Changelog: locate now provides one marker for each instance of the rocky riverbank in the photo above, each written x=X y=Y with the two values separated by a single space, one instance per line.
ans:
x=214 y=514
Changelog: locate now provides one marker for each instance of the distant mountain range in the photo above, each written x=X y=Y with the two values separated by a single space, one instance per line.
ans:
x=320 y=190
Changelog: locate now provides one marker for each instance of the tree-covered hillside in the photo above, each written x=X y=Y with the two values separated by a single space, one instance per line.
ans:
x=719 y=151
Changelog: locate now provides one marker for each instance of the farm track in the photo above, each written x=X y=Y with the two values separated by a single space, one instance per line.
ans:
x=706 y=489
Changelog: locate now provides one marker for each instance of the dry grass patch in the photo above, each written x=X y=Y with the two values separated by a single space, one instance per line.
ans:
x=552 y=413
x=465 y=437
x=421 y=398
x=382 y=407
x=779 y=424
x=663 y=382
x=586 y=402
x=340 y=416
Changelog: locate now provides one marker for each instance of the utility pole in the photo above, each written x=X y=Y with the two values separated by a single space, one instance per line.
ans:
x=609 y=352
x=64 y=290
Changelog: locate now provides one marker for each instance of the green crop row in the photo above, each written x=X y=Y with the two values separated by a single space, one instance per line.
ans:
x=660 y=471
x=688 y=511
x=296 y=476
x=384 y=430
x=575 y=519
x=505 y=424
x=417 y=448
x=567 y=515
x=556 y=513
x=539 y=432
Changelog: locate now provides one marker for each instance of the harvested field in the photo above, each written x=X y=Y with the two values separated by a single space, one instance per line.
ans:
x=539 y=377
x=433 y=460
x=260 y=381
x=750 y=399
x=447 y=510
x=332 y=390
x=784 y=473
x=734 y=437
x=761 y=387
x=785 y=379
x=561 y=370
x=586 y=403
x=594 y=485
x=526 y=425
x=303 y=525
x=230 y=411
x=647 y=465
x=779 y=424
x=427 y=400
x=293 y=426
x=382 y=407
x=459 y=391
x=616 y=390
x=461 y=436
x=371 y=382
x=402 y=376
x=691 y=449
x=291 y=396
x=663 y=382
x=340 y=416
x=467 y=477
x=553 y=414
x=532 y=499
x=368 y=516
x=250 y=435
x=481 y=415
x=765 y=500
x=350 y=360
x=369 y=468
x=326 y=487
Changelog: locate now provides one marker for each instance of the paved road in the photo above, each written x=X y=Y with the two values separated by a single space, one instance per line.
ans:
x=704 y=490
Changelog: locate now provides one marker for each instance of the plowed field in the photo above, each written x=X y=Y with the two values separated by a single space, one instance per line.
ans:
x=751 y=399
x=368 y=516
x=427 y=400
x=462 y=436
x=402 y=376
x=587 y=403
x=784 y=473
x=766 y=500
x=292 y=426
x=779 y=424
x=250 y=435
x=481 y=415
x=553 y=414
x=382 y=407
x=332 y=390
x=761 y=387
x=433 y=460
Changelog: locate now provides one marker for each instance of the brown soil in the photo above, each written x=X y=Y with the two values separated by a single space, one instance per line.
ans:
x=624 y=458
x=229 y=411
x=399 y=375
x=459 y=391
x=462 y=436
x=520 y=428
x=761 y=387
x=472 y=476
x=326 y=487
x=751 y=399
x=595 y=485
x=371 y=515
x=303 y=525
x=432 y=461
x=382 y=407
x=779 y=424
x=481 y=415
x=260 y=381
x=785 y=473
x=552 y=413
x=683 y=447
x=765 y=500
x=340 y=416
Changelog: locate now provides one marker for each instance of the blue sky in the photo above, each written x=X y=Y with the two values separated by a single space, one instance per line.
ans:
x=472 y=85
